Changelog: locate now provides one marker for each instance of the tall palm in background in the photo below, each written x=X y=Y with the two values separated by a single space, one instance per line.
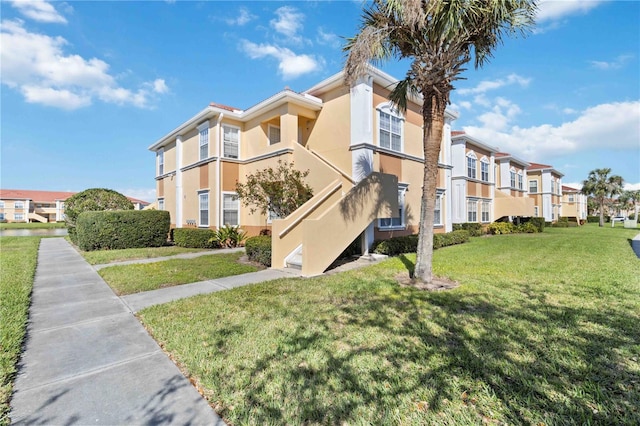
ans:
x=439 y=37
x=601 y=186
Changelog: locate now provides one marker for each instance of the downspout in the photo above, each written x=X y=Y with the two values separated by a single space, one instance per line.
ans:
x=219 y=171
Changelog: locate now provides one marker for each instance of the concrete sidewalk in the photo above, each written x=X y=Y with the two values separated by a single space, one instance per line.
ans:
x=87 y=359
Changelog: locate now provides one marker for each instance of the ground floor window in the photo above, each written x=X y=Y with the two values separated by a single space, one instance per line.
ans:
x=203 y=198
x=230 y=209
x=437 y=213
x=160 y=203
x=472 y=211
x=1 y=216
x=18 y=216
x=397 y=221
x=486 y=209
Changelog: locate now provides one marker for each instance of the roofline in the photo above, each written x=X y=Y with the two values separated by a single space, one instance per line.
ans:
x=379 y=76
x=475 y=141
x=514 y=158
x=209 y=112
x=550 y=168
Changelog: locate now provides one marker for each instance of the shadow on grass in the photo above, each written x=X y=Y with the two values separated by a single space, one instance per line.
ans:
x=411 y=267
x=524 y=363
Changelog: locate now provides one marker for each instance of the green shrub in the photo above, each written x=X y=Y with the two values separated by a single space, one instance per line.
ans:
x=121 y=229
x=593 y=219
x=527 y=228
x=563 y=222
x=194 y=237
x=259 y=249
x=229 y=236
x=632 y=216
x=475 y=229
x=497 y=228
x=409 y=243
x=538 y=222
x=95 y=199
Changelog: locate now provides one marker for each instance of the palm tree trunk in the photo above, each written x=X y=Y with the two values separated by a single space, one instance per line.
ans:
x=601 y=212
x=433 y=117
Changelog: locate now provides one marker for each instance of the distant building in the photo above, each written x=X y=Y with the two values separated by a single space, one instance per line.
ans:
x=24 y=205
x=574 y=204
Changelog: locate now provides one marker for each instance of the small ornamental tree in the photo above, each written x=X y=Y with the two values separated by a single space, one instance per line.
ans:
x=95 y=199
x=278 y=191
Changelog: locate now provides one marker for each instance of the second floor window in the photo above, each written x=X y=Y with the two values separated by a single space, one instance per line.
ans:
x=390 y=136
x=484 y=170
x=19 y=205
x=571 y=199
x=274 y=134
x=231 y=141
x=520 y=181
x=533 y=186
x=204 y=141
x=160 y=156
x=513 y=179
x=471 y=166
x=160 y=203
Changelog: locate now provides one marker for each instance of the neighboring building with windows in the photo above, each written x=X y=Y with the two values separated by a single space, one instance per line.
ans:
x=21 y=205
x=472 y=179
x=366 y=169
x=545 y=188
x=574 y=204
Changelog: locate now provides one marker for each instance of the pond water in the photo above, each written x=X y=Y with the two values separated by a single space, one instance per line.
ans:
x=56 y=232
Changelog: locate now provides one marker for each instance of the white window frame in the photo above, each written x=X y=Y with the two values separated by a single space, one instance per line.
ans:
x=472 y=210
x=1 y=204
x=472 y=165
x=386 y=224
x=2 y=216
x=223 y=209
x=201 y=195
x=571 y=198
x=203 y=140
x=18 y=216
x=484 y=169
x=160 y=159
x=536 y=184
x=18 y=204
x=225 y=154
x=387 y=109
x=485 y=214
x=437 y=211
x=512 y=177
x=536 y=211
x=520 y=180
x=271 y=141
x=160 y=203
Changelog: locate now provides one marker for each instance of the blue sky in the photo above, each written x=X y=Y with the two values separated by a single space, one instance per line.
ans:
x=88 y=86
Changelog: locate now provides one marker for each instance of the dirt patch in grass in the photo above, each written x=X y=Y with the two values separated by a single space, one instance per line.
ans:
x=437 y=284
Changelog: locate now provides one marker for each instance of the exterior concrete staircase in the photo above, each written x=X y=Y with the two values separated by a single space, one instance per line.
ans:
x=313 y=236
x=37 y=217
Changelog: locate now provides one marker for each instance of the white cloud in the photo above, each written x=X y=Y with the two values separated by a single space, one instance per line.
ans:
x=465 y=104
x=37 y=65
x=631 y=186
x=488 y=85
x=328 y=38
x=290 y=65
x=39 y=10
x=617 y=63
x=550 y=10
x=243 y=17
x=611 y=126
x=289 y=22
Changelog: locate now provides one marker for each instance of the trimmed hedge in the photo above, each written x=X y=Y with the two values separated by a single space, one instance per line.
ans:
x=538 y=222
x=409 y=243
x=475 y=229
x=120 y=229
x=94 y=199
x=194 y=237
x=596 y=219
x=498 y=228
x=258 y=249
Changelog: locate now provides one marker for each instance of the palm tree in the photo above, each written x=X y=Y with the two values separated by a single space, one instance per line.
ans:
x=602 y=186
x=439 y=37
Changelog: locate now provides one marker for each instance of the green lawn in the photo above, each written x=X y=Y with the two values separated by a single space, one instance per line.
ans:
x=32 y=225
x=128 y=279
x=17 y=270
x=544 y=329
x=100 y=257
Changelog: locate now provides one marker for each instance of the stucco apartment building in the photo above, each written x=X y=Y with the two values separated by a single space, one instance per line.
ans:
x=22 y=205
x=574 y=204
x=366 y=166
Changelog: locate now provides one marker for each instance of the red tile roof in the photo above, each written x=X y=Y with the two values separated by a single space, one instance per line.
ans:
x=569 y=189
x=221 y=106
x=502 y=154
x=45 y=196
x=457 y=132
x=33 y=195
x=535 y=166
